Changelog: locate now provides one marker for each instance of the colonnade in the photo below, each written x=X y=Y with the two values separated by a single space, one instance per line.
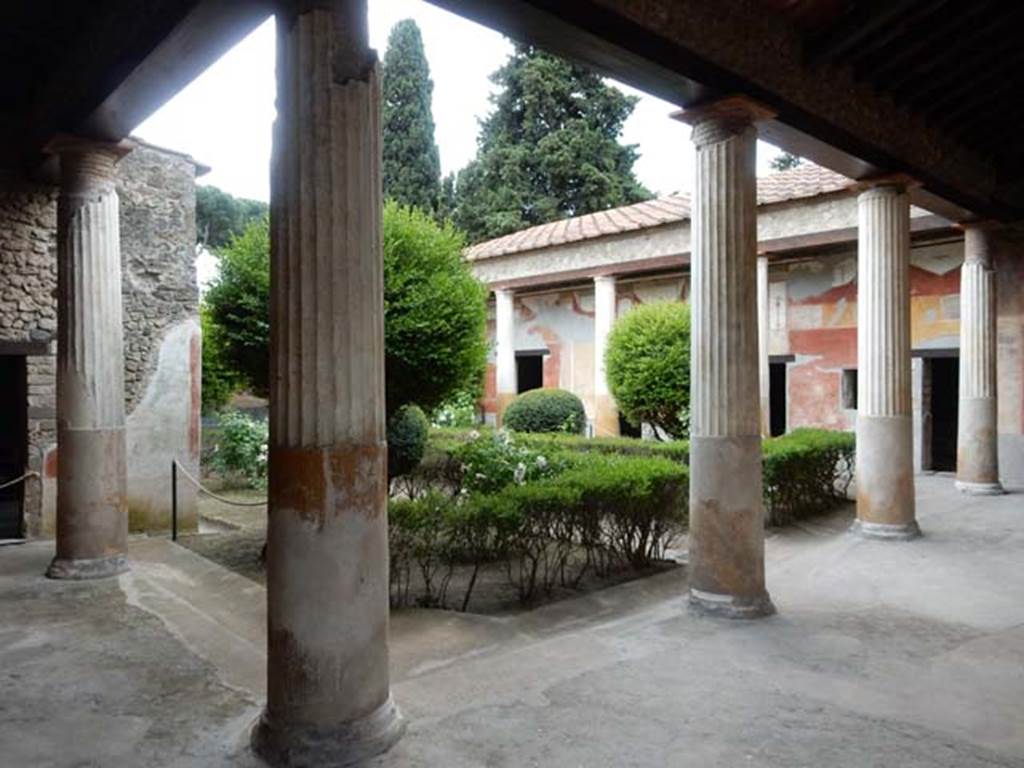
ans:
x=327 y=561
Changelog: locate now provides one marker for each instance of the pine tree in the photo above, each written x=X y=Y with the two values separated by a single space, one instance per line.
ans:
x=548 y=150
x=412 y=168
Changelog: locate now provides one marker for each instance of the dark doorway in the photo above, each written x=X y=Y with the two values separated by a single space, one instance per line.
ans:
x=628 y=430
x=529 y=371
x=945 y=406
x=13 y=437
x=777 y=398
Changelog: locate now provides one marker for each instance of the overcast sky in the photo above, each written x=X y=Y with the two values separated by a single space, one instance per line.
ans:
x=224 y=117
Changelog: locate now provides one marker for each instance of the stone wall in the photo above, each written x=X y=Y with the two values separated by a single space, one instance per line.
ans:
x=158 y=235
x=157 y=202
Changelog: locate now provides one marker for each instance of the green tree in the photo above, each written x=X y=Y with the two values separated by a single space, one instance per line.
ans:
x=647 y=363
x=220 y=216
x=549 y=149
x=785 y=160
x=238 y=305
x=219 y=382
x=412 y=168
x=435 y=310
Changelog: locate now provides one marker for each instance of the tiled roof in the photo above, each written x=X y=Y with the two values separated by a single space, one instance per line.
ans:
x=806 y=180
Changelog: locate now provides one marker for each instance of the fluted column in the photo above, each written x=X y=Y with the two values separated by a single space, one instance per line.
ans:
x=606 y=414
x=762 y=345
x=726 y=508
x=505 y=349
x=328 y=691
x=885 y=463
x=977 y=459
x=92 y=510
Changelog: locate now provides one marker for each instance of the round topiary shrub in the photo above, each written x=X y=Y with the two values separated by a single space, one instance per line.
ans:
x=546 y=410
x=647 y=363
x=407 y=440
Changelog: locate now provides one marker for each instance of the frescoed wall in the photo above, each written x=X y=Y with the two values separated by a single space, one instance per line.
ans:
x=813 y=329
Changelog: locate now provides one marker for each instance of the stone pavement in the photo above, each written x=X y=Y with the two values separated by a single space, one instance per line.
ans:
x=882 y=654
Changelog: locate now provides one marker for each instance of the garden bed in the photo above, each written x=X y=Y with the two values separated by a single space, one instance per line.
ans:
x=493 y=522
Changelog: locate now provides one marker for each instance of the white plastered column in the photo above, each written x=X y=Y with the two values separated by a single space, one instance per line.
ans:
x=328 y=690
x=977 y=465
x=505 y=349
x=885 y=462
x=762 y=345
x=606 y=414
x=92 y=511
x=726 y=507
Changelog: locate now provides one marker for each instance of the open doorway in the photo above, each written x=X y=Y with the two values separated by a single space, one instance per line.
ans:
x=777 y=398
x=945 y=398
x=13 y=443
x=529 y=370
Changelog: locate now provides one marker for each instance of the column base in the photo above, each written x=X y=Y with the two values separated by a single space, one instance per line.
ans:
x=729 y=606
x=886 y=531
x=84 y=569
x=347 y=744
x=979 y=489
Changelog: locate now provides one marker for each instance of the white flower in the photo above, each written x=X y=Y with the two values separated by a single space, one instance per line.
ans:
x=542 y=462
x=520 y=473
x=473 y=434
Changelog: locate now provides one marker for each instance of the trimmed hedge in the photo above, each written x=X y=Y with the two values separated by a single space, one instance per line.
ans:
x=806 y=472
x=553 y=507
x=580 y=513
x=408 y=430
x=546 y=410
x=648 y=365
x=676 y=450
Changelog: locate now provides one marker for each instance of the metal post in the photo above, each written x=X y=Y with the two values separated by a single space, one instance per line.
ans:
x=174 y=499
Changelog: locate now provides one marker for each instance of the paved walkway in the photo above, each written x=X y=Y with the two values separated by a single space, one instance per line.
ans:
x=883 y=654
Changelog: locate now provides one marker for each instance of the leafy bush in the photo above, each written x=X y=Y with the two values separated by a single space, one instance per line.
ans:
x=238 y=306
x=550 y=520
x=435 y=311
x=219 y=382
x=806 y=472
x=407 y=440
x=242 y=448
x=546 y=410
x=647 y=363
x=491 y=462
x=677 y=450
x=459 y=410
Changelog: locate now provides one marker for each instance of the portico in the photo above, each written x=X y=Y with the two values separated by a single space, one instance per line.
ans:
x=825 y=85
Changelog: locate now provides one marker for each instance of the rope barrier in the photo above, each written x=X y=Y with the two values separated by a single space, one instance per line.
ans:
x=15 y=481
x=218 y=497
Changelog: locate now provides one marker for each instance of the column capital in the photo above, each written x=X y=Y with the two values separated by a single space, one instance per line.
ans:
x=979 y=247
x=717 y=120
x=604 y=279
x=887 y=183
x=86 y=164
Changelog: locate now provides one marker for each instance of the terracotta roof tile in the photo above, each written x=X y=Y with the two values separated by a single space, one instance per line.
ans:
x=804 y=181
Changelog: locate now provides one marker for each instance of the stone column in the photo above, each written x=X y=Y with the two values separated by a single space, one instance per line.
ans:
x=328 y=690
x=606 y=414
x=762 y=345
x=885 y=462
x=726 y=508
x=977 y=456
x=505 y=349
x=92 y=511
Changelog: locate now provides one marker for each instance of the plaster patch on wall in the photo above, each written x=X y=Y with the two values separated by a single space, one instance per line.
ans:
x=158 y=430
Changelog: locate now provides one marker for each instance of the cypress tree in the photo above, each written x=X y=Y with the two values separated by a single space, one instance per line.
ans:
x=549 y=150
x=412 y=168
